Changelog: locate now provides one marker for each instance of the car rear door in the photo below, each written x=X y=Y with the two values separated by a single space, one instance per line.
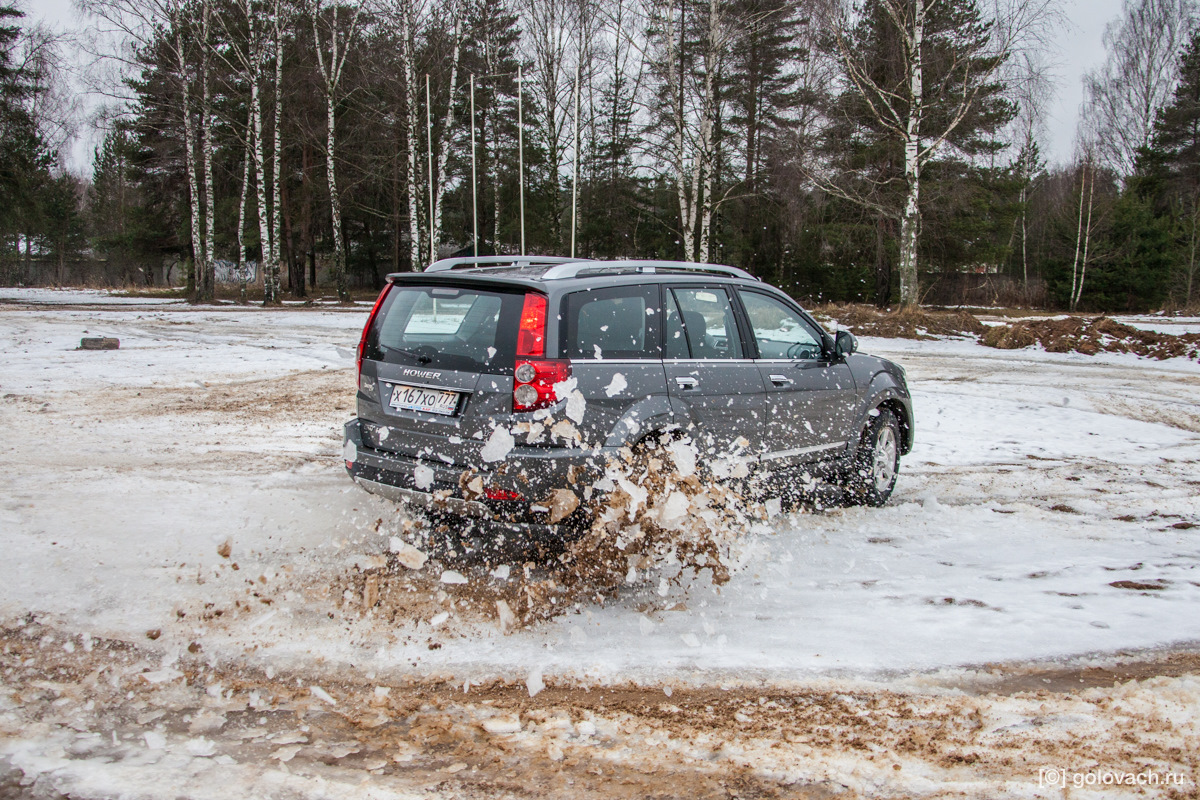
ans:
x=709 y=371
x=611 y=336
x=810 y=396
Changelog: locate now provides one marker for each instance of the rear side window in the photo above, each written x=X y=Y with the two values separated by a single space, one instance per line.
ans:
x=621 y=322
x=447 y=327
x=700 y=323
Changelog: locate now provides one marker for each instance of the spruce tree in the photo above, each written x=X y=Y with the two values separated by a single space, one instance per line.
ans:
x=1169 y=169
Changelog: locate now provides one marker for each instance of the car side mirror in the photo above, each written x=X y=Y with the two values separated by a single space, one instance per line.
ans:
x=844 y=344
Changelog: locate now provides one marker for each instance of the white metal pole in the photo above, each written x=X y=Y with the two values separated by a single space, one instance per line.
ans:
x=521 y=150
x=474 y=181
x=575 y=171
x=429 y=158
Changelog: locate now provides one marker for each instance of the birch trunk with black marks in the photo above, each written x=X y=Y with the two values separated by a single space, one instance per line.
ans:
x=708 y=114
x=266 y=245
x=331 y=75
x=276 y=193
x=443 y=145
x=1079 y=239
x=408 y=57
x=189 y=145
x=1087 y=237
x=208 y=285
x=910 y=221
x=241 y=223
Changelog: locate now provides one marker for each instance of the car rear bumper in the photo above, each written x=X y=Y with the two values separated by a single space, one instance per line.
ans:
x=531 y=475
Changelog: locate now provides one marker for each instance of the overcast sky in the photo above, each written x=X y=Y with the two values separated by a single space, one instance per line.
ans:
x=1080 y=48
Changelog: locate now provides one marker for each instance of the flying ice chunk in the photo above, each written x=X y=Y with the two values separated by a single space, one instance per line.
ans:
x=438 y=619
x=501 y=572
x=201 y=747
x=505 y=616
x=617 y=385
x=423 y=476
x=690 y=639
x=502 y=725
x=774 y=507
x=498 y=446
x=674 y=512
x=406 y=554
x=576 y=404
x=321 y=694
x=154 y=740
x=684 y=456
x=450 y=576
x=534 y=682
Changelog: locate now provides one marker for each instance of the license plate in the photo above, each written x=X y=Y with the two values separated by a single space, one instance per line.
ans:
x=416 y=398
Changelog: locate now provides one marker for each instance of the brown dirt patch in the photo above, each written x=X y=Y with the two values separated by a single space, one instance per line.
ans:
x=1091 y=335
x=906 y=323
x=622 y=741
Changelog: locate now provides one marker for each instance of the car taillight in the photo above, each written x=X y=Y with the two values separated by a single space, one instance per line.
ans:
x=533 y=382
x=492 y=493
x=533 y=375
x=362 y=342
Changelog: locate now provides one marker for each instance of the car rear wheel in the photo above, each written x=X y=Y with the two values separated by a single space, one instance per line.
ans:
x=877 y=462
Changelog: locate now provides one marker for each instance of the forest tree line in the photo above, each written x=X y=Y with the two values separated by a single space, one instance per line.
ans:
x=859 y=152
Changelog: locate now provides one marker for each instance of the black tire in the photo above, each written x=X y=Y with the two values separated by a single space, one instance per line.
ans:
x=877 y=462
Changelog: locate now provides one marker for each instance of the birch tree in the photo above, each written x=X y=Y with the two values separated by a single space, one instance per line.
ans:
x=121 y=33
x=1032 y=93
x=178 y=22
x=277 y=25
x=441 y=144
x=1123 y=97
x=690 y=105
x=942 y=95
x=208 y=284
x=331 y=65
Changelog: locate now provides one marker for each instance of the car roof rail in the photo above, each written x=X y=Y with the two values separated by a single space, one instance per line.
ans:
x=576 y=267
x=478 y=262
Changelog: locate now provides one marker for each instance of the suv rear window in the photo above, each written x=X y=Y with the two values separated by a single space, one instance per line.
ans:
x=448 y=327
x=620 y=322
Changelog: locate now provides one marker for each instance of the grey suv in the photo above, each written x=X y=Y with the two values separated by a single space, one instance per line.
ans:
x=487 y=384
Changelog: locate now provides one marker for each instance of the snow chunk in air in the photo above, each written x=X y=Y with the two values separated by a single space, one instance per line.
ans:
x=423 y=476
x=498 y=446
x=617 y=385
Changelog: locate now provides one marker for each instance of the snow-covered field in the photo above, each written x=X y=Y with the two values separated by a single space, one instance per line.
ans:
x=1047 y=523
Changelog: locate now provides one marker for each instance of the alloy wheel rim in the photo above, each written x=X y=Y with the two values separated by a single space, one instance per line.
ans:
x=884 y=468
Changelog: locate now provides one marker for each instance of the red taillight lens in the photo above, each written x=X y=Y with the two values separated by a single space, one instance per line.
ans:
x=533 y=382
x=534 y=376
x=362 y=342
x=531 y=338
x=492 y=493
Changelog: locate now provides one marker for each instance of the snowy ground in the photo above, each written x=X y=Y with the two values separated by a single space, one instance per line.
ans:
x=1046 y=524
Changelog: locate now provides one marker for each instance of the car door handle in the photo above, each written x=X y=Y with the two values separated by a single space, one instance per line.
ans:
x=687 y=383
x=781 y=380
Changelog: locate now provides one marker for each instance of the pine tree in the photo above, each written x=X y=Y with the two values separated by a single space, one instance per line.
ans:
x=922 y=85
x=25 y=160
x=1170 y=168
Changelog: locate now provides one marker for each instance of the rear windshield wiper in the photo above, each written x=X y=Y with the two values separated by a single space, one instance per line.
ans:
x=420 y=357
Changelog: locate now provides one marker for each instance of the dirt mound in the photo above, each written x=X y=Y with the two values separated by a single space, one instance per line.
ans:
x=1091 y=335
x=905 y=323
